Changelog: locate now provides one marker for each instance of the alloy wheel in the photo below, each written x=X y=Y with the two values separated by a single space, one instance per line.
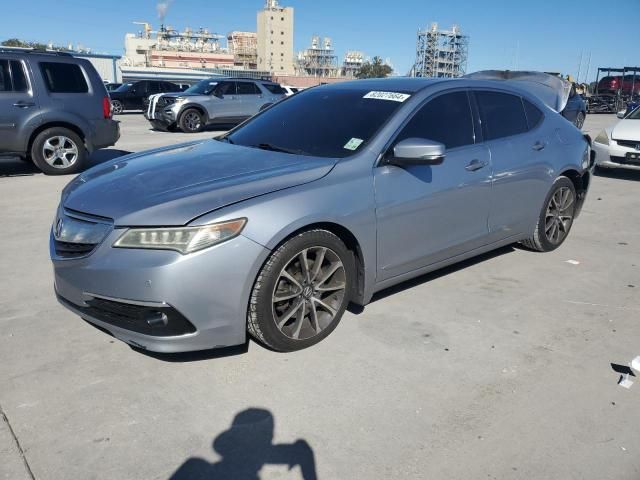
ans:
x=559 y=215
x=580 y=120
x=116 y=107
x=192 y=121
x=60 y=151
x=308 y=293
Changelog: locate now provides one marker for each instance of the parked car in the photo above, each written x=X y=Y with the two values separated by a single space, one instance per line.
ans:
x=112 y=86
x=619 y=146
x=133 y=96
x=276 y=226
x=54 y=110
x=576 y=109
x=211 y=101
x=617 y=83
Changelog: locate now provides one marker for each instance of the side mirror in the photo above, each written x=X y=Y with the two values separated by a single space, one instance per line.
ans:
x=417 y=151
x=621 y=114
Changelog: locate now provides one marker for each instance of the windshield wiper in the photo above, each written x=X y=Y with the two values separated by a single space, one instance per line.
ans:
x=274 y=148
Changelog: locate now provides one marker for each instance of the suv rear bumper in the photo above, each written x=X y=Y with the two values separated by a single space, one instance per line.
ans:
x=106 y=134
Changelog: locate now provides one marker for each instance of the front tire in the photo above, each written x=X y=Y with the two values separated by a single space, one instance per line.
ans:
x=191 y=121
x=58 y=151
x=117 y=107
x=556 y=217
x=301 y=291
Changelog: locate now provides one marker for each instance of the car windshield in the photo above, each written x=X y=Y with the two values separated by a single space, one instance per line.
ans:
x=203 y=87
x=324 y=122
x=124 y=87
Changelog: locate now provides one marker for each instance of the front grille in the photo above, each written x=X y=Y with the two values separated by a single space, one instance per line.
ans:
x=72 y=250
x=628 y=143
x=156 y=321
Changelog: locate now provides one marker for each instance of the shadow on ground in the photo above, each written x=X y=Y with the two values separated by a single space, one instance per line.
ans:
x=619 y=174
x=428 y=277
x=16 y=167
x=245 y=448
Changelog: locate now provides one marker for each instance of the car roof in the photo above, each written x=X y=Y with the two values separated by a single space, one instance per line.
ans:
x=405 y=84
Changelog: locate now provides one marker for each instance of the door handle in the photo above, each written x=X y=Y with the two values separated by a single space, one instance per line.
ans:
x=22 y=104
x=538 y=146
x=476 y=165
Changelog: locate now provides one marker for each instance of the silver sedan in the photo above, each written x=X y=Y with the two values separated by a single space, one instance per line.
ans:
x=325 y=198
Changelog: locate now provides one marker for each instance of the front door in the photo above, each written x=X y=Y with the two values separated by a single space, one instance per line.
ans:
x=428 y=213
x=225 y=103
x=18 y=106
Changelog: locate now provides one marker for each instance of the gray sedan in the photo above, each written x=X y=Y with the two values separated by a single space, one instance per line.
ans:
x=324 y=199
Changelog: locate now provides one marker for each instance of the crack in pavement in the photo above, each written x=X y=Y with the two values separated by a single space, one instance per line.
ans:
x=15 y=439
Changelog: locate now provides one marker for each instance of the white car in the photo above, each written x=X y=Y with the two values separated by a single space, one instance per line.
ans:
x=619 y=145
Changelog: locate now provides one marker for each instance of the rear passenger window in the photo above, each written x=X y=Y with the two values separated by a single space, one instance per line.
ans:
x=273 y=88
x=63 y=77
x=502 y=115
x=12 y=77
x=534 y=115
x=245 y=88
x=5 y=76
x=446 y=119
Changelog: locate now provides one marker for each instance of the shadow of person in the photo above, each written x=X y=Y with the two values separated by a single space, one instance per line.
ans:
x=245 y=448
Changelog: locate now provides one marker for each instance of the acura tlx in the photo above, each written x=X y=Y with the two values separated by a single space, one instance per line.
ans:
x=323 y=199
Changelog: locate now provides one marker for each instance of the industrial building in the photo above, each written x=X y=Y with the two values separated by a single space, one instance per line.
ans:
x=441 y=53
x=352 y=63
x=244 y=48
x=275 y=38
x=318 y=60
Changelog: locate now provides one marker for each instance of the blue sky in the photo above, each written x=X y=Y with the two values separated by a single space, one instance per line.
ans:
x=530 y=34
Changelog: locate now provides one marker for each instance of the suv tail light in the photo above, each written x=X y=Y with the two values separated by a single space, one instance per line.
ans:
x=106 y=107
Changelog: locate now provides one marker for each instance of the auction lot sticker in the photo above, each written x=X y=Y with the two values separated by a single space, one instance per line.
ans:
x=393 y=96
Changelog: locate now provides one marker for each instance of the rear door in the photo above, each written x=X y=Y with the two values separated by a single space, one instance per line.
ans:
x=251 y=98
x=18 y=105
x=429 y=213
x=514 y=131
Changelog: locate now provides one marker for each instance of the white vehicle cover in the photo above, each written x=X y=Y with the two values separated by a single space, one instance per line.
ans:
x=552 y=90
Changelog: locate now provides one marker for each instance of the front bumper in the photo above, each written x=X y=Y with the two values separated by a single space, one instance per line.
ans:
x=207 y=290
x=613 y=155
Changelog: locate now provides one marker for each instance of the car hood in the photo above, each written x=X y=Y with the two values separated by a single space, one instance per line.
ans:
x=626 y=130
x=173 y=185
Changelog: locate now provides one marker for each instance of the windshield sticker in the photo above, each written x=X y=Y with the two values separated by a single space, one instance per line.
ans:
x=353 y=144
x=393 y=96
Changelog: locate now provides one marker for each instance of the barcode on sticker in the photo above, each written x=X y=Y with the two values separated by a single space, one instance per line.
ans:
x=393 y=96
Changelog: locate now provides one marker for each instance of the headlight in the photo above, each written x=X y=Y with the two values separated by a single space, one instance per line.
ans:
x=602 y=138
x=181 y=239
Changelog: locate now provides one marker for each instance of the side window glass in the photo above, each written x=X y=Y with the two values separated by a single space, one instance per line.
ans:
x=446 y=119
x=247 y=88
x=19 y=77
x=534 y=115
x=502 y=114
x=154 y=87
x=5 y=77
x=226 y=88
x=63 y=77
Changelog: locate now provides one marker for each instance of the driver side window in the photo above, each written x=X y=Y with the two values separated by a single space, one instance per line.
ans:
x=446 y=119
x=226 y=88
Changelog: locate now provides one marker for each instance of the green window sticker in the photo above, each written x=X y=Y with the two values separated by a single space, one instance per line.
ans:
x=353 y=144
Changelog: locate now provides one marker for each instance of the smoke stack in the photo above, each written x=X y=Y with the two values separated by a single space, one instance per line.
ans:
x=162 y=8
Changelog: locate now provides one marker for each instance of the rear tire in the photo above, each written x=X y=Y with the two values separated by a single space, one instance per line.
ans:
x=556 y=217
x=301 y=291
x=191 y=121
x=59 y=151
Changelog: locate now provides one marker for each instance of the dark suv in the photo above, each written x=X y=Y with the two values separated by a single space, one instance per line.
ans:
x=54 y=109
x=133 y=96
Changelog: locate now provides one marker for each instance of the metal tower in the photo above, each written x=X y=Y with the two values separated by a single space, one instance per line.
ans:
x=441 y=53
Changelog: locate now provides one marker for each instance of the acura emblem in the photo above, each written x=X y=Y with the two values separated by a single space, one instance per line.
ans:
x=58 y=229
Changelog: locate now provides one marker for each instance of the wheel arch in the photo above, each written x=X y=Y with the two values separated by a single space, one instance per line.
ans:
x=580 y=183
x=194 y=106
x=70 y=126
x=352 y=244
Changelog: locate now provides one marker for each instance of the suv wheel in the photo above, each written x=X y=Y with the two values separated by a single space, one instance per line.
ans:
x=301 y=292
x=579 y=120
x=58 y=151
x=191 y=121
x=556 y=217
x=116 y=107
